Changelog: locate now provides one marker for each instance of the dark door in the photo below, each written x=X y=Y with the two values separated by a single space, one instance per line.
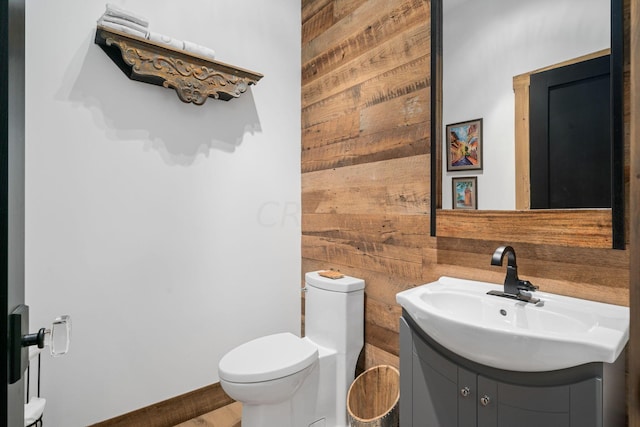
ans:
x=11 y=193
x=570 y=148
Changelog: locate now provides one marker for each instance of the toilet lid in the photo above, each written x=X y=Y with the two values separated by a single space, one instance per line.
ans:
x=267 y=358
x=343 y=284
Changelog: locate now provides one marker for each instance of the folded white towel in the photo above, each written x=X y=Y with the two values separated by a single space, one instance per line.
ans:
x=199 y=50
x=124 y=22
x=33 y=410
x=117 y=12
x=162 y=39
x=122 y=28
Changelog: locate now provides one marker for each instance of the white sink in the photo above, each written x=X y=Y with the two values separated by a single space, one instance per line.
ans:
x=556 y=333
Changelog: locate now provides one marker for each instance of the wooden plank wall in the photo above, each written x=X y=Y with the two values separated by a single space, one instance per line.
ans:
x=366 y=172
x=365 y=151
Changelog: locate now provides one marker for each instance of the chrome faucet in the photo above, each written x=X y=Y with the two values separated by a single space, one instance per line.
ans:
x=513 y=286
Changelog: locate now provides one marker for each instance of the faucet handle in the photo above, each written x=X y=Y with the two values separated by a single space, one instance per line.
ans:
x=526 y=285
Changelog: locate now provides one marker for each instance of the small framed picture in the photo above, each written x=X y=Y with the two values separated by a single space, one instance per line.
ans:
x=464 y=145
x=465 y=192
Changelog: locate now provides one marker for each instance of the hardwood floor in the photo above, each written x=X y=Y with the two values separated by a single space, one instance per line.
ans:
x=227 y=416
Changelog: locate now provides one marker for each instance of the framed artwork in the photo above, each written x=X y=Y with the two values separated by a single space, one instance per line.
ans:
x=465 y=192
x=464 y=145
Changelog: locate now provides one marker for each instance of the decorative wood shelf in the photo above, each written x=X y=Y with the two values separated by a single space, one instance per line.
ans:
x=193 y=77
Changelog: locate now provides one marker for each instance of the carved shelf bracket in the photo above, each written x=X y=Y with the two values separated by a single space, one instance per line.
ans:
x=194 y=78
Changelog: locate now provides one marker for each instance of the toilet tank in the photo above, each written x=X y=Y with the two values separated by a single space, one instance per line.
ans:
x=334 y=312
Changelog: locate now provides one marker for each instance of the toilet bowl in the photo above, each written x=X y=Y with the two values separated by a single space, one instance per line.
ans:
x=283 y=363
x=286 y=381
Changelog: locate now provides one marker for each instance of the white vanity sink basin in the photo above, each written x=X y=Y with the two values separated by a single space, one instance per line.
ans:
x=556 y=333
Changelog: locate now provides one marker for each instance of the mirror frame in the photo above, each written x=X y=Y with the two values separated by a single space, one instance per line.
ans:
x=617 y=122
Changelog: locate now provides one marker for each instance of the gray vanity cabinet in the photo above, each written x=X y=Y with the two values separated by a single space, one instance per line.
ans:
x=440 y=389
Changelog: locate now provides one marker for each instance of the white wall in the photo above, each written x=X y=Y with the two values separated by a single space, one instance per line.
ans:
x=169 y=232
x=486 y=44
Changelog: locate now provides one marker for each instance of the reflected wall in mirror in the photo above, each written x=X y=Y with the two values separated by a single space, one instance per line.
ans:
x=488 y=57
x=486 y=44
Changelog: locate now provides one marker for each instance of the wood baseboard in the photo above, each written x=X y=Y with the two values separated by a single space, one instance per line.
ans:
x=176 y=410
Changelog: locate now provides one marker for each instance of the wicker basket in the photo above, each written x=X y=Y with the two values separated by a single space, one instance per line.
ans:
x=373 y=398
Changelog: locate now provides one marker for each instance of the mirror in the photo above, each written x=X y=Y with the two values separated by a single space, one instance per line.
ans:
x=477 y=50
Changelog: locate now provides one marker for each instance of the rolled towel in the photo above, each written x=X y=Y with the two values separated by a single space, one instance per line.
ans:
x=199 y=50
x=33 y=410
x=122 y=28
x=124 y=22
x=113 y=10
x=162 y=39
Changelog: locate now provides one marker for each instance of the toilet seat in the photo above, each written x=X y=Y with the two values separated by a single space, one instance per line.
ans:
x=267 y=358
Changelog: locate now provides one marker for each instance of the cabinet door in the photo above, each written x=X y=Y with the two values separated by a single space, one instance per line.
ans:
x=487 y=401
x=428 y=384
x=506 y=405
x=467 y=398
x=435 y=393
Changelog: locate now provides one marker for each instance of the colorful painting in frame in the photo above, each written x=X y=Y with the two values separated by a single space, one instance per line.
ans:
x=465 y=192
x=464 y=145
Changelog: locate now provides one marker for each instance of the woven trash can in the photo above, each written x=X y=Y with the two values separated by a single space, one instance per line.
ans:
x=373 y=398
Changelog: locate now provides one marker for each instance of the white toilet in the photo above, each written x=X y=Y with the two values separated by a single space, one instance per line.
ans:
x=286 y=381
